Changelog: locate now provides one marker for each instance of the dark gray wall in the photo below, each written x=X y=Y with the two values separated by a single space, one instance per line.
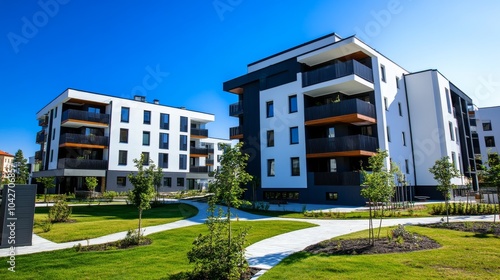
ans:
x=21 y=217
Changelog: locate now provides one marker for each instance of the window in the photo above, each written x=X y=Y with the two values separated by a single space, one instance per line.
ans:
x=180 y=182
x=219 y=158
x=281 y=195
x=94 y=110
x=456 y=133
x=292 y=103
x=163 y=160
x=184 y=124
x=183 y=162
x=269 y=109
x=487 y=126
x=397 y=82
x=146 y=158
x=404 y=138
x=400 y=109
x=331 y=132
x=121 y=181
x=295 y=166
x=448 y=102
x=167 y=181
x=55 y=113
x=163 y=140
x=270 y=167
x=294 y=135
x=382 y=72
x=164 y=121
x=51 y=155
x=459 y=164
x=53 y=134
x=270 y=138
x=454 y=159
x=386 y=104
x=122 y=157
x=125 y=114
x=388 y=134
x=452 y=136
x=489 y=140
x=333 y=165
x=407 y=167
x=183 y=143
x=147 y=117
x=123 y=135
x=145 y=138
x=332 y=196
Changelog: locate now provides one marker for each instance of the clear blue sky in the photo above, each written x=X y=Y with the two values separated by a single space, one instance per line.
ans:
x=108 y=47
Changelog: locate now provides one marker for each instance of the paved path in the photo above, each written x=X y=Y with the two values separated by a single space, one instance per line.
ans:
x=264 y=254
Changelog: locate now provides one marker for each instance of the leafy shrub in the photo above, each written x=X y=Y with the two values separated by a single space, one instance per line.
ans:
x=464 y=209
x=46 y=225
x=60 y=212
x=109 y=195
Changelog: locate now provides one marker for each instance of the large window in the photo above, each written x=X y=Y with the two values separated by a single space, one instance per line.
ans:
x=270 y=138
x=448 y=101
x=183 y=143
x=489 y=141
x=382 y=72
x=407 y=167
x=147 y=117
x=452 y=136
x=122 y=157
x=294 y=135
x=292 y=103
x=487 y=126
x=163 y=160
x=145 y=138
x=125 y=114
x=295 y=166
x=184 y=124
x=121 y=181
x=183 y=162
x=269 y=109
x=163 y=140
x=281 y=195
x=180 y=182
x=270 y=167
x=146 y=158
x=123 y=135
x=167 y=181
x=164 y=121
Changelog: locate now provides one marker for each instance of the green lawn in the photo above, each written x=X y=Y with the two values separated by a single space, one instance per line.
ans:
x=463 y=256
x=96 y=221
x=165 y=256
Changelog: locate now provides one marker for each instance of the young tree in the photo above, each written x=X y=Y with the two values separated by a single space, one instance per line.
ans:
x=378 y=187
x=48 y=183
x=143 y=190
x=21 y=168
x=492 y=176
x=91 y=183
x=444 y=170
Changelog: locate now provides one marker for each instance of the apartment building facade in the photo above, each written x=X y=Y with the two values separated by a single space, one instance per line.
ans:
x=89 y=134
x=486 y=131
x=326 y=106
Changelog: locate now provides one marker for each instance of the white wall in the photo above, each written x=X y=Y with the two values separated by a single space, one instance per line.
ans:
x=491 y=114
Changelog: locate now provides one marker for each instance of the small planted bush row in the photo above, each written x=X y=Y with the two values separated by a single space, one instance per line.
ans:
x=464 y=209
x=321 y=214
x=132 y=239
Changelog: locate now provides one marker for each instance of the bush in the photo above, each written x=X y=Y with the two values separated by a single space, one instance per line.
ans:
x=46 y=225
x=109 y=195
x=464 y=209
x=60 y=212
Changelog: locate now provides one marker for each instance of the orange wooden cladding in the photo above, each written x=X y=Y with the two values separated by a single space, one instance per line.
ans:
x=350 y=118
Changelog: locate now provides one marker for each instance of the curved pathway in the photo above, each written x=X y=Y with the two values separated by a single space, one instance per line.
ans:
x=264 y=254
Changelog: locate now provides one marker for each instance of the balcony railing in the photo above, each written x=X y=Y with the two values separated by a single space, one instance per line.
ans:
x=85 y=116
x=234 y=131
x=73 y=163
x=338 y=178
x=236 y=109
x=335 y=71
x=199 y=132
x=84 y=139
x=209 y=162
x=41 y=137
x=44 y=121
x=199 y=151
x=342 y=144
x=351 y=106
x=38 y=155
x=198 y=169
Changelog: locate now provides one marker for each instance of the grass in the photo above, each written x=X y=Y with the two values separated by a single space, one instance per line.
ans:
x=96 y=221
x=463 y=256
x=165 y=256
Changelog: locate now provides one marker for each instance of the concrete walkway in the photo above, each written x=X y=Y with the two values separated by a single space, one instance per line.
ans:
x=264 y=254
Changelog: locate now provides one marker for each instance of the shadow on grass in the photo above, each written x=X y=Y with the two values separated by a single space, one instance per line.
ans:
x=177 y=276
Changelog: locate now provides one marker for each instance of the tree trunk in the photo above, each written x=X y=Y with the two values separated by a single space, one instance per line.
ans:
x=370 y=225
x=380 y=225
x=140 y=221
x=446 y=205
x=498 y=198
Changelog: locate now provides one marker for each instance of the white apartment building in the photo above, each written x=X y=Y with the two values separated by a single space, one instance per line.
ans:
x=89 y=134
x=486 y=132
x=325 y=106
x=6 y=162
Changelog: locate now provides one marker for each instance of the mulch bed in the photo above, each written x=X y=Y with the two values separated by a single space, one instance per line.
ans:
x=111 y=245
x=480 y=228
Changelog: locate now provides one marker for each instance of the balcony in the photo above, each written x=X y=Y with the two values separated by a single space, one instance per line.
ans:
x=199 y=133
x=353 y=111
x=236 y=109
x=44 y=121
x=355 y=145
x=236 y=132
x=338 y=178
x=198 y=152
x=77 y=118
x=350 y=77
x=83 y=141
x=41 y=137
x=198 y=169
x=38 y=155
x=73 y=163
x=209 y=162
